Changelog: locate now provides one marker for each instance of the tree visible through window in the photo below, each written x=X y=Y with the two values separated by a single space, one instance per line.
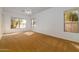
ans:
x=18 y=23
x=71 y=21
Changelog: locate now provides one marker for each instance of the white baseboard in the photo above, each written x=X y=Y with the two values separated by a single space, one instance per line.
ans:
x=65 y=38
x=59 y=37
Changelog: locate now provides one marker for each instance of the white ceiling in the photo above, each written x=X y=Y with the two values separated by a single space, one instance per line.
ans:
x=34 y=10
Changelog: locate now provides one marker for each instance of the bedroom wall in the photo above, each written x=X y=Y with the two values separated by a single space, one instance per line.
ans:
x=0 y=23
x=51 y=22
x=7 y=22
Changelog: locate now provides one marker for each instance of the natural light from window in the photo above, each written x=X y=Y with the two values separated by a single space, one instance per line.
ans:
x=18 y=23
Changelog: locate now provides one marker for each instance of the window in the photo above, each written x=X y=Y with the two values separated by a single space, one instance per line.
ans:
x=18 y=23
x=71 y=21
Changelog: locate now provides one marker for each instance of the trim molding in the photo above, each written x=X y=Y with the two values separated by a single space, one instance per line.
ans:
x=58 y=36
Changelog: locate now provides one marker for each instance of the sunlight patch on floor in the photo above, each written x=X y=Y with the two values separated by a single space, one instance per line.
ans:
x=29 y=33
x=75 y=45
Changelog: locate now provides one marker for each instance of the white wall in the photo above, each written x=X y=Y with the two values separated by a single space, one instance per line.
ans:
x=7 y=22
x=51 y=22
x=0 y=23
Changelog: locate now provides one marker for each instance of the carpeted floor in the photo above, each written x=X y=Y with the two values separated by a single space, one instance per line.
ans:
x=36 y=42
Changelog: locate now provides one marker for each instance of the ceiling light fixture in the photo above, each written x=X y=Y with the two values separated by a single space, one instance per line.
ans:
x=28 y=11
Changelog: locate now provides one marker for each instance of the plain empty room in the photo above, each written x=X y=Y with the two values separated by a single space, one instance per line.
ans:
x=39 y=29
